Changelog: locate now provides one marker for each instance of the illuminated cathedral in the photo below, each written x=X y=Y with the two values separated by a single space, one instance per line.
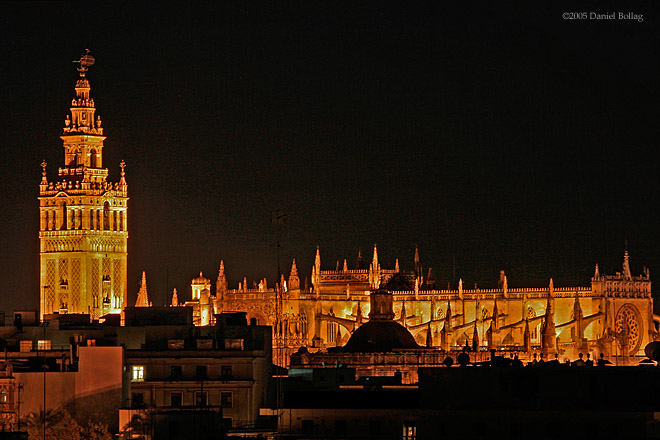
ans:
x=83 y=229
x=83 y=265
x=613 y=315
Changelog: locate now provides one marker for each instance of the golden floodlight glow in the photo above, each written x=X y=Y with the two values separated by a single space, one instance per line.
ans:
x=83 y=219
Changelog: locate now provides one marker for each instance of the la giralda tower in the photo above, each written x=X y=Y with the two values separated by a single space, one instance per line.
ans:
x=82 y=233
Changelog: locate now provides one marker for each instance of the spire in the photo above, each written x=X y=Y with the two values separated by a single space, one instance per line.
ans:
x=358 y=264
x=626 y=265
x=577 y=310
x=430 y=280
x=396 y=265
x=548 y=332
x=358 y=313
x=175 y=299
x=429 y=336
x=316 y=271
x=596 y=272
x=374 y=271
x=345 y=268
x=294 y=280
x=221 y=282
x=82 y=122
x=496 y=315
x=448 y=316
x=418 y=267
x=143 y=297
x=526 y=336
x=403 y=316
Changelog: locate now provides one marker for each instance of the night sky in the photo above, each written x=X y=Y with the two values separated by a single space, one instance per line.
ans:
x=492 y=136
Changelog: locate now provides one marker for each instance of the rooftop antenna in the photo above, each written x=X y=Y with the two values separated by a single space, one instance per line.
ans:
x=85 y=62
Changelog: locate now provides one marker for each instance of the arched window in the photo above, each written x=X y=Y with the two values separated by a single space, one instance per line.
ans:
x=3 y=396
x=106 y=216
x=92 y=159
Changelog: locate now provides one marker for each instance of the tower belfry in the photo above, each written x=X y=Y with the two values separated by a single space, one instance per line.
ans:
x=83 y=229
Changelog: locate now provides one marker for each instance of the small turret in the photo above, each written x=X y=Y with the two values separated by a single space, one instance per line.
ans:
x=221 y=282
x=626 y=266
x=359 y=262
x=374 y=271
x=143 y=297
x=294 y=280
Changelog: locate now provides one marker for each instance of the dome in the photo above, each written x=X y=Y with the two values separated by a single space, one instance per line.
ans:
x=201 y=280
x=380 y=337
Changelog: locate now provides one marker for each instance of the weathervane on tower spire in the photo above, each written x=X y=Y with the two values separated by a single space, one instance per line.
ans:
x=85 y=62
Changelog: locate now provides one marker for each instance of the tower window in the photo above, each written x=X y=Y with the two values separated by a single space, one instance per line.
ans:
x=106 y=216
x=64 y=217
x=92 y=159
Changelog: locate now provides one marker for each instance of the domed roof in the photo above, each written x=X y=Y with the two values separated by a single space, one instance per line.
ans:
x=201 y=280
x=380 y=337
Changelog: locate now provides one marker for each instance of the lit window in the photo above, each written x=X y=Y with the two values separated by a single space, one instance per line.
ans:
x=137 y=373
x=26 y=346
x=226 y=400
x=3 y=396
x=409 y=431
x=43 y=345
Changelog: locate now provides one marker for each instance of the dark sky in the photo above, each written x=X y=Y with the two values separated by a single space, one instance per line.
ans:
x=494 y=136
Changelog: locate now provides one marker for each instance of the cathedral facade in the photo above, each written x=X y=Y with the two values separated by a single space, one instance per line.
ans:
x=613 y=315
x=83 y=224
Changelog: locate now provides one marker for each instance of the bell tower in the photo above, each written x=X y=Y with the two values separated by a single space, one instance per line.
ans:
x=83 y=229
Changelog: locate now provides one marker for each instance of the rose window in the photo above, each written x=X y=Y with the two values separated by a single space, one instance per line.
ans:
x=627 y=321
